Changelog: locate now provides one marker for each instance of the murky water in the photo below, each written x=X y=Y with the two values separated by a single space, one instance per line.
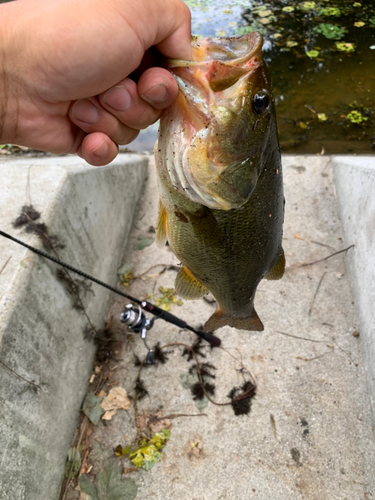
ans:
x=323 y=86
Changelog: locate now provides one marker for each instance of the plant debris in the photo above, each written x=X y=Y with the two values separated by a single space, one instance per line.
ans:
x=117 y=399
x=27 y=219
x=167 y=298
x=159 y=355
x=74 y=458
x=196 y=348
x=241 y=398
x=91 y=407
x=140 y=389
x=112 y=487
x=195 y=447
x=148 y=451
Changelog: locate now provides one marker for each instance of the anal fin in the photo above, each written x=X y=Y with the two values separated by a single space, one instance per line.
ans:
x=219 y=319
x=277 y=272
x=187 y=286
x=161 y=229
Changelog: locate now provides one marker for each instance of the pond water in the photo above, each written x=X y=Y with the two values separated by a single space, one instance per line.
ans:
x=322 y=59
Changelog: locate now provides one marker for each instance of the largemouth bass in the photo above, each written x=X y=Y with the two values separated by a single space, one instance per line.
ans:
x=220 y=180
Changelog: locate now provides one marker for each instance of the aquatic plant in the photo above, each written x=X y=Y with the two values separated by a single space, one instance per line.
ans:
x=356 y=117
x=345 y=46
x=331 y=31
x=330 y=11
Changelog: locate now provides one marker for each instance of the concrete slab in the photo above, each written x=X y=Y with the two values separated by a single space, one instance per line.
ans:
x=41 y=335
x=355 y=185
x=309 y=434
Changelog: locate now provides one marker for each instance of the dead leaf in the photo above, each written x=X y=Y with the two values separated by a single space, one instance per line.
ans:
x=143 y=420
x=109 y=414
x=195 y=446
x=102 y=393
x=157 y=422
x=297 y=236
x=128 y=470
x=117 y=398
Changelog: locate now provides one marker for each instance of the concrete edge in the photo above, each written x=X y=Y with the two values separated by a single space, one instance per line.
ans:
x=41 y=334
x=355 y=187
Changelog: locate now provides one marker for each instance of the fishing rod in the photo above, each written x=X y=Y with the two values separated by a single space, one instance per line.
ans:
x=132 y=316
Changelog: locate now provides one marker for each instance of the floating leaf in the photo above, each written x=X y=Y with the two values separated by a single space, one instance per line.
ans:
x=111 y=487
x=357 y=4
x=277 y=35
x=345 y=46
x=330 y=11
x=291 y=43
x=356 y=117
x=307 y=6
x=288 y=9
x=88 y=487
x=244 y=30
x=312 y=53
x=322 y=117
x=265 y=13
x=330 y=31
x=359 y=24
x=91 y=407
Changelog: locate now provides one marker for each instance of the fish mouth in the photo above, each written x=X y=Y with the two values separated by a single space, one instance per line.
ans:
x=208 y=156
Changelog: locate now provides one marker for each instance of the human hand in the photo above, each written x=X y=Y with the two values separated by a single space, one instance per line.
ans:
x=64 y=84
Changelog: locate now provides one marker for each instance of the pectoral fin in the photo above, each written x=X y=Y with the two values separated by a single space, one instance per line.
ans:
x=187 y=286
x=161 y=230
x=278 y=269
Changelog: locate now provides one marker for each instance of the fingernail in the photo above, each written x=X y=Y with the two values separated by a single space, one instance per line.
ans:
x=155 y=94
x=101 y=149
x=85 y=111
x=118 y=98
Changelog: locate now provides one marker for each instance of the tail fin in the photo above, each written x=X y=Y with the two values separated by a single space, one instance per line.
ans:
x=218 y=319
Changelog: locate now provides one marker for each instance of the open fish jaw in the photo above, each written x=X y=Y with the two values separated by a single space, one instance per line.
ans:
x=211 y=152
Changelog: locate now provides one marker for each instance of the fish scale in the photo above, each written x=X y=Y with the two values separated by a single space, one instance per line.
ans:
x=225 y=223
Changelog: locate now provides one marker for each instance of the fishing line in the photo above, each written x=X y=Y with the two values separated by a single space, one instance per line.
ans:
x=138 y=323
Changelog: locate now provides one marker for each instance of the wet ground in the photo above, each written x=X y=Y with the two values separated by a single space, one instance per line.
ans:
x=324 y=87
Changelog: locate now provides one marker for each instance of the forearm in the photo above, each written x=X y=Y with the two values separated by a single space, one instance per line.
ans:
x=8 y=102
x=3 y=78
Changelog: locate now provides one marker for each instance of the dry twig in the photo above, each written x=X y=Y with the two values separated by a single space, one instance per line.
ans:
x=316 y=292
x=328 y=256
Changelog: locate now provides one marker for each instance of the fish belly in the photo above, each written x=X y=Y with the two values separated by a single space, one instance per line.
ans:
x=227 y=252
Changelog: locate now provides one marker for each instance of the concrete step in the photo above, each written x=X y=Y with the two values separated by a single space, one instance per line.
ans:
x=42 y=335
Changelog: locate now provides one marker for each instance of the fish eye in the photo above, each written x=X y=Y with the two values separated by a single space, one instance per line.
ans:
x=260 y=102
